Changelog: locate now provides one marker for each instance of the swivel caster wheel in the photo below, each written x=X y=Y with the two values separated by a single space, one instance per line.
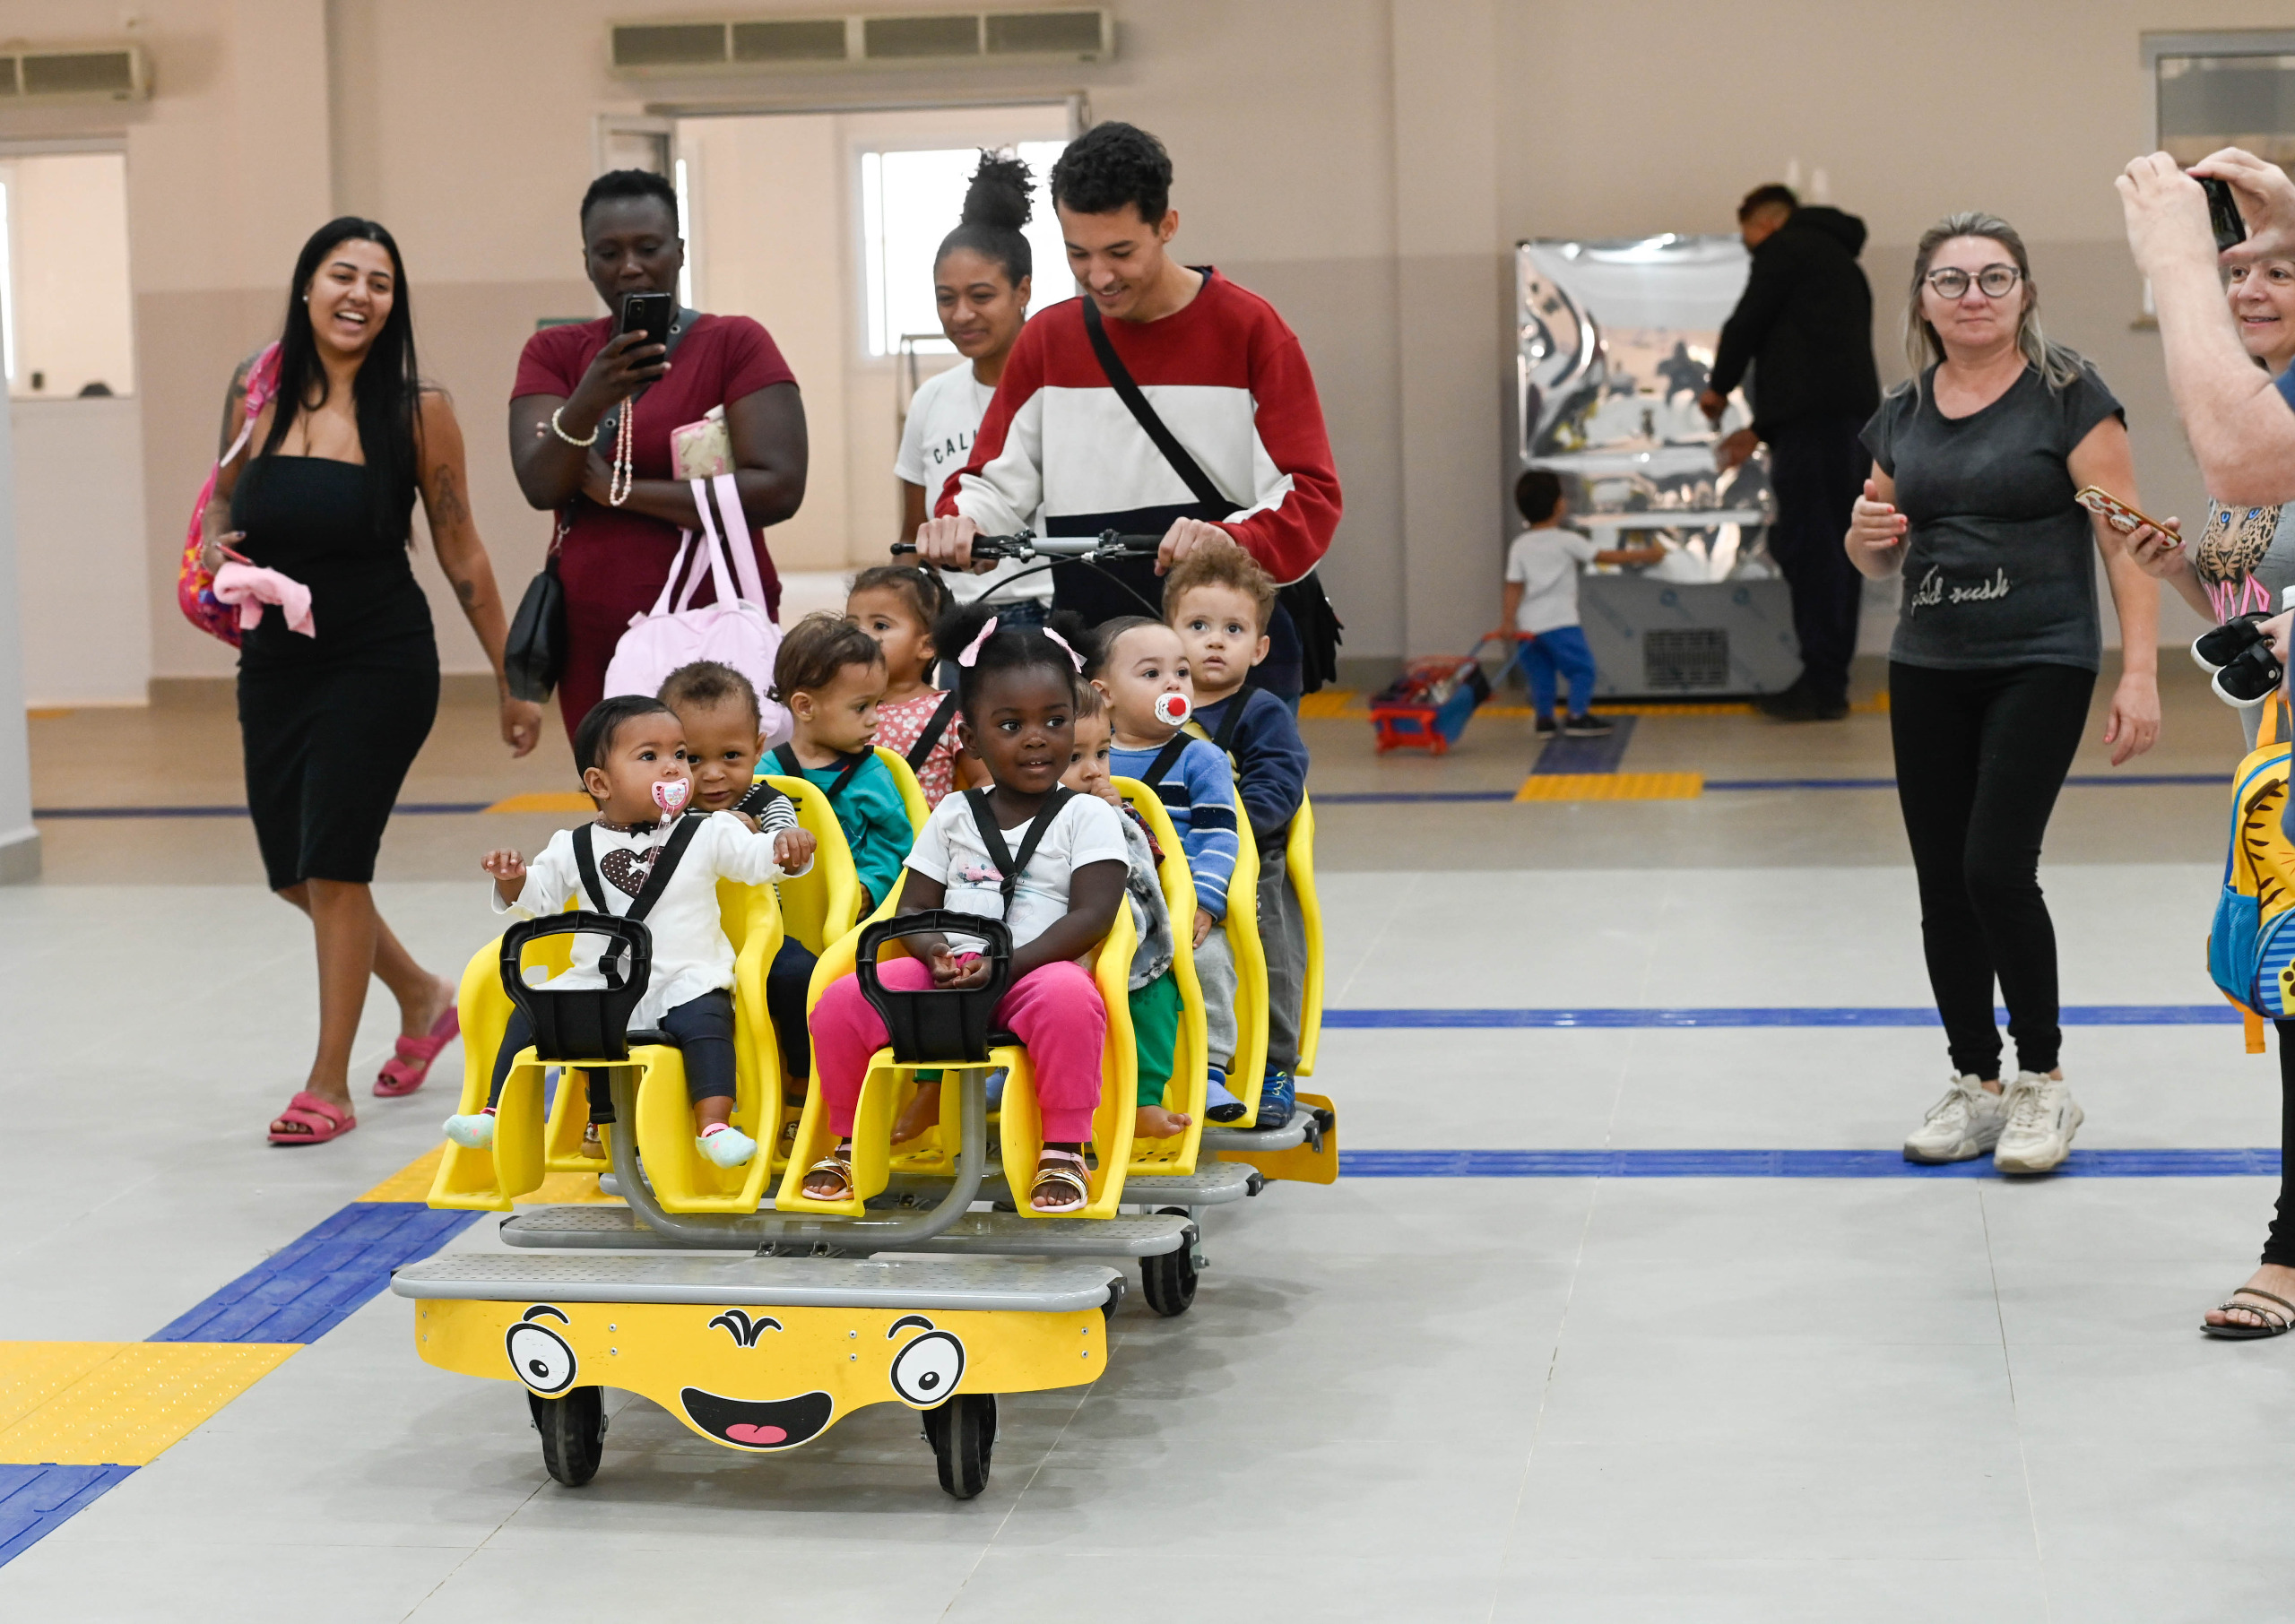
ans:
x=573 y=1433
x=963 y=1436
x=1167 y=1279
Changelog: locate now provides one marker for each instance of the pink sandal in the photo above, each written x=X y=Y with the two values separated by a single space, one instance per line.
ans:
x=324 y=1120
x=406 y=1071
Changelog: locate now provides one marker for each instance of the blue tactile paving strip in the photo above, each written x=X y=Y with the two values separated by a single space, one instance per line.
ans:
x=304 y=1291
x=1563 y=754
x=35 y=1499
x=298 y=1294
x=2072 y=1014
x=2262 y=1163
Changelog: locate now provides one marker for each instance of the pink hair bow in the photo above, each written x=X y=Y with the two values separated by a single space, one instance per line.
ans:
x=971 y=650
x=1064 y=643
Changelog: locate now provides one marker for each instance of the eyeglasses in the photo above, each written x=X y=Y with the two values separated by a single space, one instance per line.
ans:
x=1994 y=282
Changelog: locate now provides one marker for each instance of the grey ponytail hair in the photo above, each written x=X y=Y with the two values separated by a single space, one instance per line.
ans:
x=2057 y=365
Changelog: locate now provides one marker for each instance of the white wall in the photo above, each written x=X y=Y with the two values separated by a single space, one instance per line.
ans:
x=67 y=242
x=83 y=588
x=19 y=839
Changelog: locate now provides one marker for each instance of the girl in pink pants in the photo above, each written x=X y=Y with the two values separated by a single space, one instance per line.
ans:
x=1047 y=861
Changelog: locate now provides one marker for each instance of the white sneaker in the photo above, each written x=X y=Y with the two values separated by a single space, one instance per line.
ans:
x=1963 y=1125
x=475 y=1131
x=2041 y=1120
x=727 y=1146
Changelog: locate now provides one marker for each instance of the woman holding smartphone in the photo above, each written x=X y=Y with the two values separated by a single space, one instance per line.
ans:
x=331 y=717
x=1975 y=464
x=980 y=280
x=618 y=528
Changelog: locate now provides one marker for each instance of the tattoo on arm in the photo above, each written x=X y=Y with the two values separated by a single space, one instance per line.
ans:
x=447 y=508
x=467 y=592
x=233 y=399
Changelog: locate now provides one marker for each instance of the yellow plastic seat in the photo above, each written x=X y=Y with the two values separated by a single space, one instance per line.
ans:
x=912 y=793
x=1191 y=1054
x=526 y=1147
x=1019 y=1124
x=824 y=903
x=1249 y=1071
x=1299 y=872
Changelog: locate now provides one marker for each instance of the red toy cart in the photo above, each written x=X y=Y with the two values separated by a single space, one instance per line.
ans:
x=1428 y=706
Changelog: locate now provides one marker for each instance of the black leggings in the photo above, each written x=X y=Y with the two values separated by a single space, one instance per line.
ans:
x=704 y=1029
x=1981 y=755
x=2279 y=1245
x=787 y=980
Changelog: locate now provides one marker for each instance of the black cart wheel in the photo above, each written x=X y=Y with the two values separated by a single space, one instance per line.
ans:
x=573 y=1433
x=1167 y=1279
x=963 y=1436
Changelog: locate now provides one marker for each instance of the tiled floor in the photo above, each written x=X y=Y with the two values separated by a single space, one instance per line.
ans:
x=1559 y=1399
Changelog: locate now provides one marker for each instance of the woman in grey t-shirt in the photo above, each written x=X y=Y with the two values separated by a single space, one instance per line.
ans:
x=2244 y=560
x=1994 y=658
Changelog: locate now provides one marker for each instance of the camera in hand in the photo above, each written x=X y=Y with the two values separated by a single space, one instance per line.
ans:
x=2222 y=211
x=650 y=314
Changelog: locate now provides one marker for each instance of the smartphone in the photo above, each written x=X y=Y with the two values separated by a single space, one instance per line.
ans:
x=2117 y=514
x=650 y=314
x=2222 y=211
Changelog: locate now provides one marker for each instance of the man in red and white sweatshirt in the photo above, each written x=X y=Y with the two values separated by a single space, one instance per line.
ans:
x=1220 y=368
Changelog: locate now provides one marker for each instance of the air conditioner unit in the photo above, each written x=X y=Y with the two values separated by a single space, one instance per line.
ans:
x=88 y=72
x=656 y=49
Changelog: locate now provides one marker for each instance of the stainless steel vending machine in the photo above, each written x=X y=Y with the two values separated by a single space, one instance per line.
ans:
x=1616 y=343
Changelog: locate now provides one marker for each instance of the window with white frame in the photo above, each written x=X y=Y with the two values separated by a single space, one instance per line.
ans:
x=2224 y=89
x=66 y=327
x=909 y=200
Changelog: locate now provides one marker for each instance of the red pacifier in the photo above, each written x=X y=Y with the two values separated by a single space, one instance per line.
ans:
x=670 y=794
x=1173 y=709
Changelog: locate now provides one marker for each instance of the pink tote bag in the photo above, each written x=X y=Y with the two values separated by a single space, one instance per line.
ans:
x=734 y=630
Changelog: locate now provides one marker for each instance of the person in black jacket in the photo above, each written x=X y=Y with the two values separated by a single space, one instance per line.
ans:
x=1805 y=327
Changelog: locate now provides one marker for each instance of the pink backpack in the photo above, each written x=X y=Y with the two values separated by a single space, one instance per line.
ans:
x=734 y=630
x=195 y=587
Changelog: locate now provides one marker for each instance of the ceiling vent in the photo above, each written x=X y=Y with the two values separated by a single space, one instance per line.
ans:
x=898 y=40
x=113 y=73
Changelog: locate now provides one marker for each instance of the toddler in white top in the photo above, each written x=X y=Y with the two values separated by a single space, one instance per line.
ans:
x=634 y=767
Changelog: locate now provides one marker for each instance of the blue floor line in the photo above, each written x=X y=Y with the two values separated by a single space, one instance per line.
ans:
x=2078 y=781
x=2263 y=1163
x=36 y=1500
x=2071 y=1015
x=305 y=1289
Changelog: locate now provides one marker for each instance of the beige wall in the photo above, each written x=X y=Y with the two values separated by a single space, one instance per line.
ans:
x=67 y=241
x=1365 y=163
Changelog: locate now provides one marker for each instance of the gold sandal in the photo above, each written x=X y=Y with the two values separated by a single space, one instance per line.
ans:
x=839 y=1162
x=1058 y=1169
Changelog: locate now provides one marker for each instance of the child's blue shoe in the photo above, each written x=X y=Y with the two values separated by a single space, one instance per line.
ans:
x=1218 y=1104
x=475 y=1131
x=993 y=1087
x=1276 y=1095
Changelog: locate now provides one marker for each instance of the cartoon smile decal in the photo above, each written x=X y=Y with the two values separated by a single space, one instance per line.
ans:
x=544 y=1359
x=780 y=1423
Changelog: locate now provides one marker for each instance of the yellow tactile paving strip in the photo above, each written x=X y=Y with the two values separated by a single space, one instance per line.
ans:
x=412 y=1183
x=95 y=1403
x=1612 y=786
x=546 y=800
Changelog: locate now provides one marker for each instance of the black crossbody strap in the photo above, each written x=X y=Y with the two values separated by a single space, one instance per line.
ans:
x=1166 y=758
x=658 y=880
x=1226 y=736
x=1190 y=470
x=786 y=755
x=991 y=838
x=586 y=864
x=936 y=725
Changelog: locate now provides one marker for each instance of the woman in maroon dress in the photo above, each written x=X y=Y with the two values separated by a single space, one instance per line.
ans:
x=613 y=559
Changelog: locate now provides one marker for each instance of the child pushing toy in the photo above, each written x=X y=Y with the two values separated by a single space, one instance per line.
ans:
x=1540 y=603
x=1016 y=698
x=641 y=850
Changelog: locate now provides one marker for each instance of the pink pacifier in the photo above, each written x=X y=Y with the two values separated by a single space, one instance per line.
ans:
x=670 y=794
x=1173 y=709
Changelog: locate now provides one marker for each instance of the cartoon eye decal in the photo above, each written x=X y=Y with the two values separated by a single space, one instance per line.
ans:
x=542 y=1358
x=926 y=1372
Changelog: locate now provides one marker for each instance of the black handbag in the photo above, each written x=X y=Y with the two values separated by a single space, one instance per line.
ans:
x=1309 y=607
x=533 y=655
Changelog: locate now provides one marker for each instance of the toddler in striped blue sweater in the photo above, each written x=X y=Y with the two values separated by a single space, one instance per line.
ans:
x=1139 y=661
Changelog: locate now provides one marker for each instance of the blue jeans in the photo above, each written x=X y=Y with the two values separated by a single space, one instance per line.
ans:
x=1564 y=649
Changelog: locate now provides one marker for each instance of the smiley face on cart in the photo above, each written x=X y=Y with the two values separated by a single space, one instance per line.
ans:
x=761 y=1379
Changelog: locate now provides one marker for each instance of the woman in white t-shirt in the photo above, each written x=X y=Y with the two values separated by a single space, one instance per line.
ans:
x=981 y=282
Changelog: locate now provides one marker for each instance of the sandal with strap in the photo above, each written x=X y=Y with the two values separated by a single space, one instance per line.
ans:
x=2276 y=1321
x=322 y=1120
x=1059 y=1170
x=407 y=1071
x=839 y=1162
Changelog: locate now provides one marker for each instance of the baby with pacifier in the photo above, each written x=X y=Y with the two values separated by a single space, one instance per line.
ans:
x=632 y=756
x=1015 y=700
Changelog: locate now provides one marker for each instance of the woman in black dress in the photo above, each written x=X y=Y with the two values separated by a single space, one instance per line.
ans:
x=331 y=722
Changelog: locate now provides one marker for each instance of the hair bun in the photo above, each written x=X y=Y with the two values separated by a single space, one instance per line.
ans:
x=1001 y=196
